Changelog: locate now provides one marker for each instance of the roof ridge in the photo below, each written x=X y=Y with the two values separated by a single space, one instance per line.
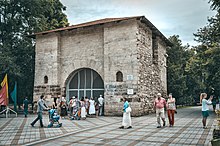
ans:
x=89 y=23
x=107 y=19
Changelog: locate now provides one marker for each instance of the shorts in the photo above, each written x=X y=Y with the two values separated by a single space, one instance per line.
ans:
x=205 y=114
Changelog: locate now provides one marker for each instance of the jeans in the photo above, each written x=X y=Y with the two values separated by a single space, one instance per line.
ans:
x=39 y=117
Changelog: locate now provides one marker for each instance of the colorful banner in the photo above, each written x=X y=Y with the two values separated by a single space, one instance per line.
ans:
x=14 y=96
x=4 y=91
x=3 y=95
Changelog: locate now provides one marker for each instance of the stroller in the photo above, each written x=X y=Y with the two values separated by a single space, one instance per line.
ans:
x=76 y=115
x=54 y=118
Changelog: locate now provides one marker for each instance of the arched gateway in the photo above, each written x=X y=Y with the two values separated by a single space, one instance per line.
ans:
x=85 y=82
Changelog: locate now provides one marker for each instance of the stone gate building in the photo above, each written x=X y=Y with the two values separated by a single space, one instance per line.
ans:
x=114 y=57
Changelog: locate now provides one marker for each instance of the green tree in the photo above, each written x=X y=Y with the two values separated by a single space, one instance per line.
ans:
x=196 y=72
x=177 y=58
x=18 y=19
x=209 y=36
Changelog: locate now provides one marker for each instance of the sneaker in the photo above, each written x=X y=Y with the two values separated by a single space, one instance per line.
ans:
x=122 y=127
x=205 y=127
x=158 y=126
x=129 y=127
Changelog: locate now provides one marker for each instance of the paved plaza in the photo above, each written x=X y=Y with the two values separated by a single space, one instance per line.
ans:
x=104 y=131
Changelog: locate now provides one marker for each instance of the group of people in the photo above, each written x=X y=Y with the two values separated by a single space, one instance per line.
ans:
x=87 y=106
x=160 y=104
x=78 y=109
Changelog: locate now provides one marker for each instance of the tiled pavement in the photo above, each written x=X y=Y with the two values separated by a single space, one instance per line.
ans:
x=104 y=131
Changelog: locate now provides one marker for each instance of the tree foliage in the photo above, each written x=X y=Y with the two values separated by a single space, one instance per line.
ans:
x=178 y=56
x=192 y=71
x=209 y=36
x=18 y=19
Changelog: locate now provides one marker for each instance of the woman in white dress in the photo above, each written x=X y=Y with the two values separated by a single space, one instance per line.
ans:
x=126 y=120
x=83 y=109
x=91 y=106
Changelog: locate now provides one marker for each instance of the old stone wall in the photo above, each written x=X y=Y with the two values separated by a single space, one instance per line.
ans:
x=151 y=54
x=162 y=64
x=145 y=53
x=120 y=54
x=81 y=48
x=46 y=59
x=46 y=65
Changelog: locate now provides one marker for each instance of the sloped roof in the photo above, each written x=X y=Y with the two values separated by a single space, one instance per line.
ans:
x=108 y=20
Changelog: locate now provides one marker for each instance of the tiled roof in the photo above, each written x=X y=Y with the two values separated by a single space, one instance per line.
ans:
x=101 y=21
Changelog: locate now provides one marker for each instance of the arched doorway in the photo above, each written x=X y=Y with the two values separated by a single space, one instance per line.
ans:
x=85 y=82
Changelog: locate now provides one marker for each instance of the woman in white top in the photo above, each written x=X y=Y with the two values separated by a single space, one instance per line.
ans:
x=91 y=106
x=171 y=108
x=205 y=108
x=83 y=109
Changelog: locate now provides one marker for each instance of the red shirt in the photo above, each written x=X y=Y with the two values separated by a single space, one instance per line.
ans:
x=159 y=103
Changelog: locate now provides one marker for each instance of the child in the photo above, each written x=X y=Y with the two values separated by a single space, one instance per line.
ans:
x=205 y=108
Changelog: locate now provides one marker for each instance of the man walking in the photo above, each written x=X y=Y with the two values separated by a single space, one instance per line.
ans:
x=101 y=102
x=159 y=105
x=40 y=108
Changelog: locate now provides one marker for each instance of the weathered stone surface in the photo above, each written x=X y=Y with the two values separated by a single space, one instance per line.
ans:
x=129 y=46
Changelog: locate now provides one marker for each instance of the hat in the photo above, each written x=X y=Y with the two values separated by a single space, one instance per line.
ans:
x=73 y=97
x=158 y=94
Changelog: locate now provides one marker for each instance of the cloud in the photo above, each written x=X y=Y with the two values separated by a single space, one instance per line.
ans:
x=171 y=17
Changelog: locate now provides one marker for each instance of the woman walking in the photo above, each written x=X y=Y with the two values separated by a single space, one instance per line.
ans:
x=171 y=108
x=205 y=108
x=126 y=120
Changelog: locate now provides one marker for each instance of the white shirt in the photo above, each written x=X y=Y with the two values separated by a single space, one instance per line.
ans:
x=205 y=104
x=101 y=100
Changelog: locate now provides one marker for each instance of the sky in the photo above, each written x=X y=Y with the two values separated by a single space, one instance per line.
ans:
x=171 y=17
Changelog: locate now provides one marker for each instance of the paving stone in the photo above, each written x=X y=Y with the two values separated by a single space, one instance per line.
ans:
x=187 y=131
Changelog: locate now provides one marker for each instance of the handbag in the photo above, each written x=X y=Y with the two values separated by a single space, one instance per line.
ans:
x=128 y=110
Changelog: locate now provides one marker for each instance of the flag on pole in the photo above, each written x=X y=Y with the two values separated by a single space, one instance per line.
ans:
x=14 y=96
x=3 y=96
x=4 y=91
